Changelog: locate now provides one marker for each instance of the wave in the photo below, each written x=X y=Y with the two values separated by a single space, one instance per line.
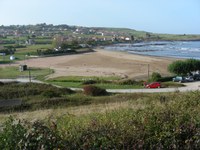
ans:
x=178 y=49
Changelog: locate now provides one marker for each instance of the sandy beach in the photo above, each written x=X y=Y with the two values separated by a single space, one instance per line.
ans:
x=102 y=63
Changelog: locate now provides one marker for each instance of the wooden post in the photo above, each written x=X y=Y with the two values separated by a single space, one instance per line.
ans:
x=148 y=70
x=29 y=70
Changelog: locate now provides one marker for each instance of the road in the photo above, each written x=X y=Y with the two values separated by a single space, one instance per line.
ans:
x=190 y=86
x=22 y=80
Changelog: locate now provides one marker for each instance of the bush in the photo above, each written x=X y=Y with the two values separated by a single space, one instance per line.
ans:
x=25 y=135
x=51 y=93
x=11 y=134
x=155 y=76
x=129 y=82
x=165 y=79
x=89 y=82
x=1 y=83
x=94 y=90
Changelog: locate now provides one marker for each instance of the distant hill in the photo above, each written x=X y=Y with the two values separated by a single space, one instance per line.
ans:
x=48 y=31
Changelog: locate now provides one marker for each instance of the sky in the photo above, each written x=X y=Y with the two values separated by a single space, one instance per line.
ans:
x=158 y=16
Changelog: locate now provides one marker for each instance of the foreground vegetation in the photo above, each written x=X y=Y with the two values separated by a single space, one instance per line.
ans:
x=149 y=121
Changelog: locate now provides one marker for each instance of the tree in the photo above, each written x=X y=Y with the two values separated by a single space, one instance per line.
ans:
x=193 y=64
x=148 y=35
x=132 y=38
x=74 y=43
x=180 y=67
x=155 y=76
x=57 y=41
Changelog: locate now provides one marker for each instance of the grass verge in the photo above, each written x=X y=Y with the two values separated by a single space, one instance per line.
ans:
x=13 y=72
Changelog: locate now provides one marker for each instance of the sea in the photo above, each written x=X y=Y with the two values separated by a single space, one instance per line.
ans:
x=176 y=49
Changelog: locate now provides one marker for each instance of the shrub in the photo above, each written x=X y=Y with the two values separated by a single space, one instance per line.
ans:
x=26 y=135
x=165 y=79
x=51 y=93
x=129 y=82
x=11 y=134
x=40 y=136
x=94 y=90
x=66 y=91
x=155 y=76
x=1 y=83
x=89 y=82
x=53 y=102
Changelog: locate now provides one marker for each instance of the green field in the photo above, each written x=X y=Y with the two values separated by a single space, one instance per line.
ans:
x=103 y=82
x=13 y=72
x=22 y=53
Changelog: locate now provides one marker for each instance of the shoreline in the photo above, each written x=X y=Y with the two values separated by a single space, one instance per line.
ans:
x=126 y=52
x=166 y=49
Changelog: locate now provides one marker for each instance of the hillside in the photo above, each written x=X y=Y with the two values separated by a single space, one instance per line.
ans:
x=68 y=120
x=44 y=34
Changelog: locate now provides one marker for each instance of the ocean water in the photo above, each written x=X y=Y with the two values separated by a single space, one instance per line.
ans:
x=177 y=49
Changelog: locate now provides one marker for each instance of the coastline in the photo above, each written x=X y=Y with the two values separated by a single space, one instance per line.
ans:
x=166 y=49
x=145 y=55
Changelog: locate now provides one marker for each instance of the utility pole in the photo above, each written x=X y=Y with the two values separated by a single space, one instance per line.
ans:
x=29 y=70
x=148 y=70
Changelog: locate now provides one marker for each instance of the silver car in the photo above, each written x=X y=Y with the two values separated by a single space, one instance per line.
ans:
x=179 y=79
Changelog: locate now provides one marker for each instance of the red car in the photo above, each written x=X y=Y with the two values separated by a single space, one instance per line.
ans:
x=153 y=85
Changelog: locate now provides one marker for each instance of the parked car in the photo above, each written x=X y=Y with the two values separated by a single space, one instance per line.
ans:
x=189 y=79
x=179 y=79
x=196 y=77
x=153 y=85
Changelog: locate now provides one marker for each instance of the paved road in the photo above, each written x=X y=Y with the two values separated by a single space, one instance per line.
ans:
x=23 y=80
x=190 y=86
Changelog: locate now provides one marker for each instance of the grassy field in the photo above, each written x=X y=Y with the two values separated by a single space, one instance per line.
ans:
x=111 y=82
x=13 y=72
x=21 y=53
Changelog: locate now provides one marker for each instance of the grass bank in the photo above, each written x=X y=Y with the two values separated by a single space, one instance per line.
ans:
x=13 y=72
x=153 y=121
